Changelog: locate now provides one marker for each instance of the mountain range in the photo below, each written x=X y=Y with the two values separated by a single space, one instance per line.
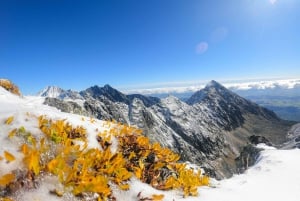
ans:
x=214 y=126
x=279 y=95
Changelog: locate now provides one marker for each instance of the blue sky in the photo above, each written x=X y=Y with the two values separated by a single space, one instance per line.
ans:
x=126 y=43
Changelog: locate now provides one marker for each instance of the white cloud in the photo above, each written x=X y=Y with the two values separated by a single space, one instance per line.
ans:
x=202 y=47
x=165 y=90
x=183 y=87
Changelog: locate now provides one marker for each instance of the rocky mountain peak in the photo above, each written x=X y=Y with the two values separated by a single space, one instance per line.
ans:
x=51 y=91
x=172 y=100
x=107 y=91
x=214 y=84
x=230 y=108
x=107 y=87
x=212 y=89
x=59 y=93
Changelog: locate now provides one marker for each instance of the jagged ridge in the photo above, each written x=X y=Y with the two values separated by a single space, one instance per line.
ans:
x=211 y=128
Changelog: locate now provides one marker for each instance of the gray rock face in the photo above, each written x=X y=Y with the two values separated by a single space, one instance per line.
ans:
x=247 y=158
x=293 y=138
x=66 y=106
x=211 y=129
x=255 y=139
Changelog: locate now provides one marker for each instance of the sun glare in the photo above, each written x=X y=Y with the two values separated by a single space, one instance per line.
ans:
x=272 y=1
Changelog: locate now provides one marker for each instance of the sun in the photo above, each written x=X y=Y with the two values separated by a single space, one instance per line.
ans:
x=272 y=1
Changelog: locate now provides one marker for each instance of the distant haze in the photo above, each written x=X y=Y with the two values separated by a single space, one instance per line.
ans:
x=236 y=85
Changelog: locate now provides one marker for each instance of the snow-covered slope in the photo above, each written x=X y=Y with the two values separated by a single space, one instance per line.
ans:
x=30 y=107
x=20 y=120
x=274 y=177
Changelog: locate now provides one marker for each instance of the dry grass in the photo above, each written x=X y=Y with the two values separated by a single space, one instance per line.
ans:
x=9 y=86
